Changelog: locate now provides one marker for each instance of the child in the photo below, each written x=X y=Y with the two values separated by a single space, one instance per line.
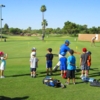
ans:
x=63 y=65
x=49 y=58
x=33 y=50
x=71 y=67
x=89 y=60
x=3 y=63
x=83 y=63
x=33 y=64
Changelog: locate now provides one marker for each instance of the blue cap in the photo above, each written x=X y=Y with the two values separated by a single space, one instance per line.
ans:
x=63 y=53
x=67 y=42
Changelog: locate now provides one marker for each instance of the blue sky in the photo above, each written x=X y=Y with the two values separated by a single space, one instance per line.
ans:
x=26 y=13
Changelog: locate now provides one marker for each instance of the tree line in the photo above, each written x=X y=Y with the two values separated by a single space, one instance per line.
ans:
x=69 y=28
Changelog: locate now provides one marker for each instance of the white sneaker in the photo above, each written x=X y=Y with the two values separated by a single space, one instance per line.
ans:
x=2 y=77
x=81 y=76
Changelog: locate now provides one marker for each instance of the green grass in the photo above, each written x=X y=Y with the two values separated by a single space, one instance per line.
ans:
x=18 y=84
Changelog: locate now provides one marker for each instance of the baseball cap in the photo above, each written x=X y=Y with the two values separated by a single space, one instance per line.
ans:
x=84 y=50
x=67 y=42
x=1 y=53
x=33 y=48
x=63 y=53
x=89 y=52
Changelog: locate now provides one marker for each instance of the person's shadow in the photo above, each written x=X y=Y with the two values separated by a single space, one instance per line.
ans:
x=16 y=98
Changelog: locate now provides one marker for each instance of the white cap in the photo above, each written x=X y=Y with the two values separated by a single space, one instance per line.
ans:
x=33 y=48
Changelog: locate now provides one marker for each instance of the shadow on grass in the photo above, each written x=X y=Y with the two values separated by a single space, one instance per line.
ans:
x=94 y=74
x=94 y=69
x=18 y=75
x=16 y=98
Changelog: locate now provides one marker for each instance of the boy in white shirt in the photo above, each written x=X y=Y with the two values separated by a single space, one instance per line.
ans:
x=33 y=64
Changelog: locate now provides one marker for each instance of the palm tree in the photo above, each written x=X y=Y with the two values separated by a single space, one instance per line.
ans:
x=44 y=24
x=43 y=9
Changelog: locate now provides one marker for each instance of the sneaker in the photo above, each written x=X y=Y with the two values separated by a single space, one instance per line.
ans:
x=63 y=86
x=81 y=76
x=74 y=83
x=2 y=77
x=61 y=75
x=66 y=83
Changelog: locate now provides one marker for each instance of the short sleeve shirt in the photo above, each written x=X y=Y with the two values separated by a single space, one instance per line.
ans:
x=33 y=61
x=71 y=60
x=64 y=48
x=49 y=57
x=84 y=58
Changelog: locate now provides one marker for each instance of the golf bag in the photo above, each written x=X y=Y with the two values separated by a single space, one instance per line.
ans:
x=87 y=79
x=52 y=82
x=95 y=83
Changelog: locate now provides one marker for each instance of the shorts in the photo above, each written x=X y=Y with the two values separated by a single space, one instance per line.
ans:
x=88 y=67
x=49 y=64
x=83 y=67
x=33 y=69
x=63 y=67
x=70 y=73
x=2 y=66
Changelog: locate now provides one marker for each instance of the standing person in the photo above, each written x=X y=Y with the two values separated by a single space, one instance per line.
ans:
x=89 y=60
x=63 y=65
x=71 y=67
x=3 y=58
x=93 y=41
x=43 y=37
x=32 y=52
x=49 y=58
x=83 y=63
x=33 y=64
x=63 y=48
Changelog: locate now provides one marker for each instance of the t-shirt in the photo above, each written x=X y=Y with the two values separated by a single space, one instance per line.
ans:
x=31 y=55
x=64 y=48
x=84 y=58
x=33 y=62
x=71 y=61
x=49 y=57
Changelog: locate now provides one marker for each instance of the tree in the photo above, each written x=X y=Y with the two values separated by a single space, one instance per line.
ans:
x=29 y=29
x=44 y=24
x=15 y=31
x=43 y=9
x=6 y=28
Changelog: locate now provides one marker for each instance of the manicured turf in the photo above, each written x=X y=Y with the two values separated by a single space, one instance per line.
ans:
x=18 y=84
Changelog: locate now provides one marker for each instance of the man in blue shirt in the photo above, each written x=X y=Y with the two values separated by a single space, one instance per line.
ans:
x=63 y=48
